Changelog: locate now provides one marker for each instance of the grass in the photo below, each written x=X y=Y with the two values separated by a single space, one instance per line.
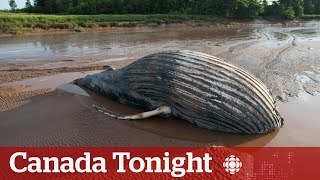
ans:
x=17 y=23
x=311 y=17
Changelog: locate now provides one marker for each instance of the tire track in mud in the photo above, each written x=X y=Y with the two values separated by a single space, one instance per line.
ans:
x=276 y=58
x=261 y=36
x=268 y=72
x=230 y=49
x=266 y=69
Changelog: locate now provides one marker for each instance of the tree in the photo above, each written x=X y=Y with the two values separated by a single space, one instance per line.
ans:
x=291 y=9
x=254 y=8
x=265 y=4
x=13 y=5
x=28 y=4
x=226 y=8
x=316 y=6
x=309 y=7
x=39 y=3
x=298 y=8
x=288 y=13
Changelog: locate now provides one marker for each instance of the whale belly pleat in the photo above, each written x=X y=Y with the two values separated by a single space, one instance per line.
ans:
x=205 y=90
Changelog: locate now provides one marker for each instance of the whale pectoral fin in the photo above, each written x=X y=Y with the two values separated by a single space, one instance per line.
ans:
x=159 y=111
x=104 y=111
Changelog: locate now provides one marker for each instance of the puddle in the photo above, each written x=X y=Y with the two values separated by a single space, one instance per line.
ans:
x=60 y=81
x=302 y=122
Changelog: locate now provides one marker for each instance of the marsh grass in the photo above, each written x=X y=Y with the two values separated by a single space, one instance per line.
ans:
x=17 y=23
x=311 y=17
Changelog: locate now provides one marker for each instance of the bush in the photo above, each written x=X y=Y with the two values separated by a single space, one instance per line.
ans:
x=130 y=24
x=12 y=28
x=88 y=25
x=103 y=24
x=41 y=26
x=80 y=29
x=113 y=24
x=156 y=21
x=16 y=31
x=67 y=25
x=27 y=25
x=5 y=26
x=288 y=13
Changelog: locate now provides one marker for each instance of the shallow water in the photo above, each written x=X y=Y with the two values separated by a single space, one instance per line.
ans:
x=99 y=44
x=96 y=45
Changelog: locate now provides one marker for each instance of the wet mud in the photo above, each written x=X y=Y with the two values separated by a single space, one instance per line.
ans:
x=283 y=54
x=47 y=110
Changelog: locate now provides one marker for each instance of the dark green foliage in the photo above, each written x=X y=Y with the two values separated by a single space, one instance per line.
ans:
x=13 y=5
x=132 y=13
x=223 y=8
x=28 y=4
x=290 y=9
x=272 y=10
x=288 y=13
x=227 y=8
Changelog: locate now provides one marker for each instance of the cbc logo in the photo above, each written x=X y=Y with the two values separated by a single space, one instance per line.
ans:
x=232 y=164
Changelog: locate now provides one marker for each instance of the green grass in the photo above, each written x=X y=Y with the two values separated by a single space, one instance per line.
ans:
x=311 y=17
x=17 y=23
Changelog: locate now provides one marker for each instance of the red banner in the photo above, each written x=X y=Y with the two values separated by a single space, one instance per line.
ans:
x=159 y=163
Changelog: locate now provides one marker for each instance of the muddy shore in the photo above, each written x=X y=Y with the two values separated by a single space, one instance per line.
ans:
x=39 y=106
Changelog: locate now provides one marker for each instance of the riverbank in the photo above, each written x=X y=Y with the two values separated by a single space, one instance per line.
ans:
x=19 y=23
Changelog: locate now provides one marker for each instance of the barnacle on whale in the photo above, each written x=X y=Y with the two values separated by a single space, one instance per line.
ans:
x=193 y=86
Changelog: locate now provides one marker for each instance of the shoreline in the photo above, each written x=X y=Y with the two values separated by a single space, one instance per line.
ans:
x=20 y=23
x=143 y=25
x=116 y=28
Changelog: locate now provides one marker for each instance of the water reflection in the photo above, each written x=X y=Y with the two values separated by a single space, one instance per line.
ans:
x=101 y=44
x=46 y=47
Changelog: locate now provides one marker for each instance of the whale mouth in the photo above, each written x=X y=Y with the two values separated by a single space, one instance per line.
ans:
x=79 y=82
x=282 y=122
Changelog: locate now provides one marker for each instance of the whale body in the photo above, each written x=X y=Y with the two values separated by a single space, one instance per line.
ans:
x=195 y=87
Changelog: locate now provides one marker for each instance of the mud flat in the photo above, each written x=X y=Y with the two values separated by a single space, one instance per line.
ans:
x=57 y=113
x=39 y=106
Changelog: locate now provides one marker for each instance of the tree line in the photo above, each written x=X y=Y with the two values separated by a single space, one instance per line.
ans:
x=288 y=9
x=227 y=8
